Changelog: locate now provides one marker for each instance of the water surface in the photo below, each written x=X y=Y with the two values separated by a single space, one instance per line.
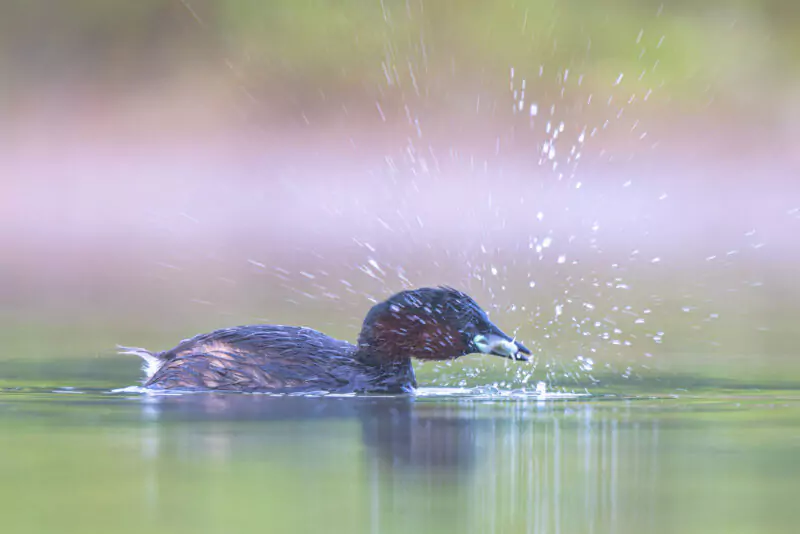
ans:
x=90 y=460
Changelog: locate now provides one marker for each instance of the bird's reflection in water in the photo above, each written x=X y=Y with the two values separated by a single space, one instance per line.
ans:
x=479 y=466
x=398 y=431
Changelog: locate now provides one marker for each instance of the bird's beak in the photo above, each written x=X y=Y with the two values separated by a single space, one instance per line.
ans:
x=500 y=344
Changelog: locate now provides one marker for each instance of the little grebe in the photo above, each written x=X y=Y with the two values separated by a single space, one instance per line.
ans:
x=429 y=324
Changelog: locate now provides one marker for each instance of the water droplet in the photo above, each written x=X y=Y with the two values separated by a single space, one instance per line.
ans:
x=376 y=266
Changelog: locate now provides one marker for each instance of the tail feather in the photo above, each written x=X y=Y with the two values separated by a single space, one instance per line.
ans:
x=152 y=360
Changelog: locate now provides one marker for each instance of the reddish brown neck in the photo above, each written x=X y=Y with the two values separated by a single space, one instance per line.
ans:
x=394 y=338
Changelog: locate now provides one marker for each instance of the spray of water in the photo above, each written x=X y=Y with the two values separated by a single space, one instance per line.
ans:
x=564 y=282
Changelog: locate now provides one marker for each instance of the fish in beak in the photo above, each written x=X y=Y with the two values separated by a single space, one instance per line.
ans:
x=500 y=344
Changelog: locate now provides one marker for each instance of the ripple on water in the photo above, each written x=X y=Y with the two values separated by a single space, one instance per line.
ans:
x=495 y=393
x=489 y=392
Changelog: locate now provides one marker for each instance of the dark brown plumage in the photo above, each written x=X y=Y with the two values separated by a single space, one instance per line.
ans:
x=429 y=324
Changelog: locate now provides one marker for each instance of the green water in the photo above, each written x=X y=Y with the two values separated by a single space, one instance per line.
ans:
x=89 y=460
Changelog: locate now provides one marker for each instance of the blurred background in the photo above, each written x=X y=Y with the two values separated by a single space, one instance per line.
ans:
x=616 y=181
